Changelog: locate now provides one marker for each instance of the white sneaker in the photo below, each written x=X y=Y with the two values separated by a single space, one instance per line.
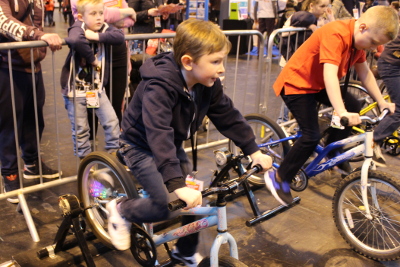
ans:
x=191 y=261
x=378 y=158
x=119 y=229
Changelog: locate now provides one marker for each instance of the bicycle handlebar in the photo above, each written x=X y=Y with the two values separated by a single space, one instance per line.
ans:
x=345 y=121
x=225 y=188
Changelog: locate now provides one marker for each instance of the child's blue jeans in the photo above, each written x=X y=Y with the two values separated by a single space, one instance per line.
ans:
x=155 y=207
x=80 y=130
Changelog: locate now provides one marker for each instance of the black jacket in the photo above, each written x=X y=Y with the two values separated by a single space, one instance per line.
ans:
x=161 y=113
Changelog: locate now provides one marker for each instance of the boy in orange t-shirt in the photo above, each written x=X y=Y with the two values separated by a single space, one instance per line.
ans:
x=312 y=75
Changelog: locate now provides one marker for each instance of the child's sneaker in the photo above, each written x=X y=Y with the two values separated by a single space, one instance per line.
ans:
x=119 y=229
x=280 y=190
x=11 y=183
x=31 y=171
x=190 y=261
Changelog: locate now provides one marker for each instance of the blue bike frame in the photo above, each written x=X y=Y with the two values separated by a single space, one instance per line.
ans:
x=315 y=167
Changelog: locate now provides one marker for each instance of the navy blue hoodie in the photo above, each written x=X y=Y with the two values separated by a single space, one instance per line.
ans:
x=161 y=113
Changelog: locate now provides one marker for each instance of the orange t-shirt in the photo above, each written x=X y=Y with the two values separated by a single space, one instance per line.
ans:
x=332 y=43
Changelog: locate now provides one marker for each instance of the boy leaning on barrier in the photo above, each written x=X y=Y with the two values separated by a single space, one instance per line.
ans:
x=89 y=39
x=177 y=91
x=312 y=74
x=22 y=20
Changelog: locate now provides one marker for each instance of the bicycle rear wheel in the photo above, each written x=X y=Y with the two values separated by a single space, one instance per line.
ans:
x=266 y=130
x=377 y=238
x=102 y=178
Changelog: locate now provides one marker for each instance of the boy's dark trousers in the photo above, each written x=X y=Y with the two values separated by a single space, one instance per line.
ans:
x=304 y=110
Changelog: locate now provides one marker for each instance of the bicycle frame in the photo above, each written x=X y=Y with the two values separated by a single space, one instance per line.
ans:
x=216 y=216
x=315 y=167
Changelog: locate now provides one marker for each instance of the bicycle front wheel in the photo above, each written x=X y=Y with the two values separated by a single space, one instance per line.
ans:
x=266 y=130
x=223 y=261
x=377 y=237
x=102 y=178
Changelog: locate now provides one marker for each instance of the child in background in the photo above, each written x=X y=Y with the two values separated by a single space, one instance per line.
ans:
x=312 y=74
x=177 y=91
x=92 y=64
x=49 y=7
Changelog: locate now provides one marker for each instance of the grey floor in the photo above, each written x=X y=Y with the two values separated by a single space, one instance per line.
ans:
x=304 y=235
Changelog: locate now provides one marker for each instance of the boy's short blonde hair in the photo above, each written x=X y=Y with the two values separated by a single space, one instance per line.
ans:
x=198 y=38
x=381 y=19
x=81 y=4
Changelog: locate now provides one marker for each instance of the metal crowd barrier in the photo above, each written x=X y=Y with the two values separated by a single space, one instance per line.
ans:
x=239 y=68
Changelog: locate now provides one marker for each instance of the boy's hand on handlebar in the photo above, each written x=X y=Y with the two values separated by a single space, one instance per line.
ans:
x=264 y=160
x=193 y=198
x=390 y=106
x=353 y=118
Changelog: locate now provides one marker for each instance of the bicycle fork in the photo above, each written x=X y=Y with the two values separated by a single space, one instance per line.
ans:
x=369 y=143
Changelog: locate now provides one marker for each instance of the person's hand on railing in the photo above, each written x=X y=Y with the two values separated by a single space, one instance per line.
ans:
x=53 y=40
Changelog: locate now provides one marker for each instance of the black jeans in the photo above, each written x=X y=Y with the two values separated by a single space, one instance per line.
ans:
x=303 y=108
x=25 y=114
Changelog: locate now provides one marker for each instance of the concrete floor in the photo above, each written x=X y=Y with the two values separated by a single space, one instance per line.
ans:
x=304 y=235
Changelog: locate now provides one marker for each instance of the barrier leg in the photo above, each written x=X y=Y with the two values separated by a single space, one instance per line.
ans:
x=28 y=217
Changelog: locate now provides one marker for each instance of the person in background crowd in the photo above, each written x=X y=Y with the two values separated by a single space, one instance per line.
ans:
x=27 y=26
x=339 y=10
x=92 y=68
x=122 y=17
x=67 y=12
x=215 y=7
x=389 y=71
x=49 y=6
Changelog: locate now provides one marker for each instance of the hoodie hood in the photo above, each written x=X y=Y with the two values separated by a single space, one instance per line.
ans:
x=160 y=68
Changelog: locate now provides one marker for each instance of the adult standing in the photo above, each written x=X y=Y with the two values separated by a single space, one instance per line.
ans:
x=148 y=17
x=266 y=16
x=26 y=18
x=389 y=71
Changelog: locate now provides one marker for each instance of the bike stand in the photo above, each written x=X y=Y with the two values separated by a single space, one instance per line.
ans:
x=71 y=212
x=260 y=217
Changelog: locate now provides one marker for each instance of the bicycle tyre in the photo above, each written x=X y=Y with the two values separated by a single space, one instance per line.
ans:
x=379 y=238
x=263 y=126
x=101 y=178
x=223 y=261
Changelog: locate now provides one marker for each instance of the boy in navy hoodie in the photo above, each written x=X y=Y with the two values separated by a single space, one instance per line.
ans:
x=177 y=91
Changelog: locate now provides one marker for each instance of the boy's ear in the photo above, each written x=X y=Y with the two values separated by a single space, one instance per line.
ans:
x=80 y=17
x=187 y=62
x=362 y=27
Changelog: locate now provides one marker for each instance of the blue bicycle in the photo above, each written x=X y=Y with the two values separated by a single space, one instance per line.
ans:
x=365 y=205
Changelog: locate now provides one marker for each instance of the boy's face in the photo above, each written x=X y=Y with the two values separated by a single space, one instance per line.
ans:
x=93 y=16
x=319 y=9
x=209 y=68
x=367 y=39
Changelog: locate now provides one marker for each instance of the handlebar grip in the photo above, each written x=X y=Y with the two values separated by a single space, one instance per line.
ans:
x=344 y=121
x=257 y=168
x=176 y=205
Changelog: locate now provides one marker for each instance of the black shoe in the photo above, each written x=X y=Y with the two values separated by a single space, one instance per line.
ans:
x=11 y=183
x=280 y=190
x=31 y=171
x=378 y=158
x=344 y=168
